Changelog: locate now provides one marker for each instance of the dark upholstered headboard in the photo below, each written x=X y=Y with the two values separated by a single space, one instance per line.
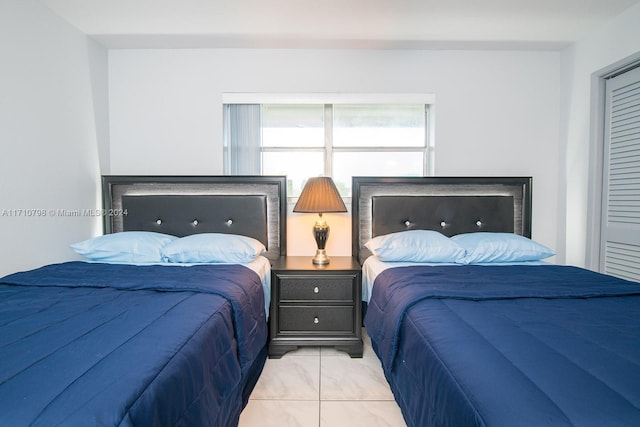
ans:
x=253 y=206
x=450 y=205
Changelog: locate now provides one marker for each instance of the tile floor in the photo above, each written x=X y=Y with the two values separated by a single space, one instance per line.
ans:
x=322 y=387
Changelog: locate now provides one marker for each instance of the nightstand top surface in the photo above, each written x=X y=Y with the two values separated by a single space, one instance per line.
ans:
x=303 y=263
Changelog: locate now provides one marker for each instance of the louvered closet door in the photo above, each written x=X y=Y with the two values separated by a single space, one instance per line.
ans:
x=620 y=250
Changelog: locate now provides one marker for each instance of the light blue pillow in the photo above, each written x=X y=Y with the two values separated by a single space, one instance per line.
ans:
x=126 y=247
x=415 y=246
x=488 y=247
x=213 y=248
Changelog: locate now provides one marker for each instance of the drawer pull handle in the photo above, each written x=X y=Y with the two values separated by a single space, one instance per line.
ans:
x=316 y=290
x=316 y=320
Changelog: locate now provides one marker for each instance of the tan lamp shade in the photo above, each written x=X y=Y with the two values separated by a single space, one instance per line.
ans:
x=320 y=195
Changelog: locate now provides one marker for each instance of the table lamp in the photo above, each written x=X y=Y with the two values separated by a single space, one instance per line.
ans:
x=320 y=195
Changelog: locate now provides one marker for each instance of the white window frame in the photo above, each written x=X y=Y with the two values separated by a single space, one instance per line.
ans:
x=325 y=99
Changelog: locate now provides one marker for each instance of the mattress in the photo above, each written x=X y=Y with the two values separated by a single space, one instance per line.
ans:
x=372 y=266
x=114 y=344
x=512 y=345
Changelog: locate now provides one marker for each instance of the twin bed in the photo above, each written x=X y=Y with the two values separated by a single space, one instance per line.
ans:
x=490 y=336
x=134 y=339
x=469 y=331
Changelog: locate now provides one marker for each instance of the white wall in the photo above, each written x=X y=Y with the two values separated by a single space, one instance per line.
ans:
x=497 y=112
x=48 y=137
x=608 y=45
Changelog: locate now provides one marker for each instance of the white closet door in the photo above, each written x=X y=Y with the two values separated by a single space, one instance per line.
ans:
x=620 y=250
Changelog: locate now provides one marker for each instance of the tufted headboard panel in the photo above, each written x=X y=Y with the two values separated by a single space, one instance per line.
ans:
x=450 y=205
x=253 y=206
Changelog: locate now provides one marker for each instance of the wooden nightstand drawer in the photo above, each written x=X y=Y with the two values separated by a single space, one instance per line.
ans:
x=316 y=319
x=316 y=288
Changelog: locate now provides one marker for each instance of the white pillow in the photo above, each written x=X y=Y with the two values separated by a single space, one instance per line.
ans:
x=486 y=247
x=213 y=248
x=126 y=246
x=415 y=246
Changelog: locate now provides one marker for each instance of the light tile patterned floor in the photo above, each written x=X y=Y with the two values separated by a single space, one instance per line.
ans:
x=322 y=387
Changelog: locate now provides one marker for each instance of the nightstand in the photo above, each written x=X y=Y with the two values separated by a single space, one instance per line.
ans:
x=314 y=305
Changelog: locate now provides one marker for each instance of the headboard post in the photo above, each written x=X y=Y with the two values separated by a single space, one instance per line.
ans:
x=450 y=205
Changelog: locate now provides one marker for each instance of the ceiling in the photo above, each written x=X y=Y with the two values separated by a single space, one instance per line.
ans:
x=363 y=24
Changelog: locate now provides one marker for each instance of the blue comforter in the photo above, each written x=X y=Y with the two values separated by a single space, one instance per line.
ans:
x=103 y=344
x=508 y=345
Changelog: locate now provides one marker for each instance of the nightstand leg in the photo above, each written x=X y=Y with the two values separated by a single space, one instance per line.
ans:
x=277 y=351
x=355 y=351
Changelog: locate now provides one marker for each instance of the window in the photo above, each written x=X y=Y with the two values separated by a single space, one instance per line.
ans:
x=340 y=140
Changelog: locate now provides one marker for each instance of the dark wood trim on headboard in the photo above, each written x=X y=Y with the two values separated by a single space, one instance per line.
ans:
x=254 y=206
x=450 y=205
